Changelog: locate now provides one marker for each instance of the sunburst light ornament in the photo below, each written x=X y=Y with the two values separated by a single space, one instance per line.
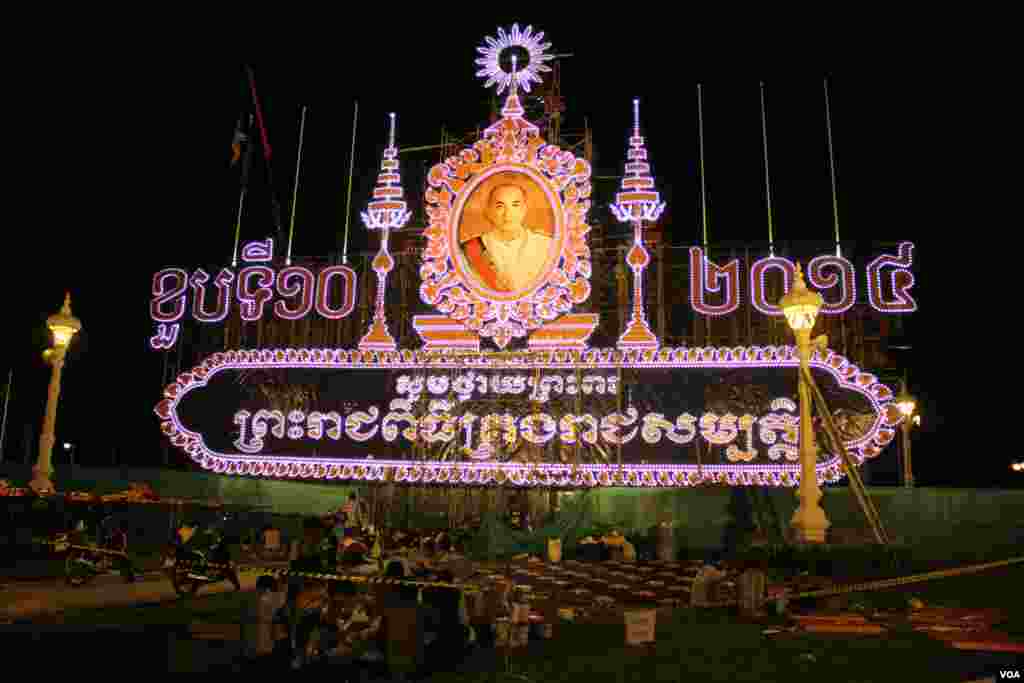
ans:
x=520 y=76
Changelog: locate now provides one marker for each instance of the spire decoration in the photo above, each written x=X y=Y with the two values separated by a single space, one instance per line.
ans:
x=387 y=212
x=638 y=202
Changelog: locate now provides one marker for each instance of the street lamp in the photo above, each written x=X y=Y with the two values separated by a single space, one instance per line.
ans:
x=906 y=404
x=70 y=449
x=801 y=306
x=1018 y=466
x=64 y=327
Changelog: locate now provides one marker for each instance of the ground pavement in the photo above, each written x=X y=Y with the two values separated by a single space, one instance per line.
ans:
x=21 y=600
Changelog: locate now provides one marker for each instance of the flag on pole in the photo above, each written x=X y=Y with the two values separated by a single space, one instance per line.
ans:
x=259 y=114
x=237 y=141
x=246 y=154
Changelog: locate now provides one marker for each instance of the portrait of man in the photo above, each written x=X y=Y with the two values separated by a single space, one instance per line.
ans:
x=507 y=232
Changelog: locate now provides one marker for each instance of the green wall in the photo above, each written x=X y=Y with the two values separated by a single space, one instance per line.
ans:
x=285 y=497
x=963 y=518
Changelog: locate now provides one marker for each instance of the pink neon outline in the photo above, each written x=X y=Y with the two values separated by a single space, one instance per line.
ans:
x=462 y=299
x=259 y=252
x=165 y=337
x=519 y=77
x=757 y=288
x=537 y=177
x=253 y=302
x=178 y=293
x=668 y=475
x=323 y=291
x=846 y=278
x=198 y=282
x=904 y=303
x=706 y=276
x=305 y=287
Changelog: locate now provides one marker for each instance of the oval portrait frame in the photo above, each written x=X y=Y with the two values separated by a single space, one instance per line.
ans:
x=457 y=254
x=510 y=146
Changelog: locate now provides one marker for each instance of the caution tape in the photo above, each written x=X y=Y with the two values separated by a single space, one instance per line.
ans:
x=62 y=546
x=185 y=565
x=358 y=578
x=885 y=583
x=905 y=580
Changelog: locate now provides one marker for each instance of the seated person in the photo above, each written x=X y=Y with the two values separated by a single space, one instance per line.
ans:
x=402 y=561
x=117 y=539
x=348 y=539
x=423 y=560
x=351 y=549
x=271 y=541
x=397 y=595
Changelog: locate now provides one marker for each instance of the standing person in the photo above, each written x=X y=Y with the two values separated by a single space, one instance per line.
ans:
x=353 y=514
x=263 y=610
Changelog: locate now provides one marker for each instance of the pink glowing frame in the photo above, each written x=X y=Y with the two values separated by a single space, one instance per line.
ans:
x=259 y=252
x=511 y=144
x=901 y=264
x=253 y=299
x=706 y=276
x=845 y=279
x=166 y=336
x=305 y=286
x=323 y=292
x=368 y=468
x=223 y=282
x=757 y=288
x=176 y=294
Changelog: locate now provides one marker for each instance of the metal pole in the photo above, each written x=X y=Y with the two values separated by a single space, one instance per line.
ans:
x=7 y=401
x=832 y=171
x=809 y=520
x=767 y=178
x=295 y=190
x=348 y=202
x=908 y=470
x=44 y=463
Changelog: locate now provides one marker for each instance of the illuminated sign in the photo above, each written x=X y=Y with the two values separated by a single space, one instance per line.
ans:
x=636 y=415
x=506 y=260
x=292 y=293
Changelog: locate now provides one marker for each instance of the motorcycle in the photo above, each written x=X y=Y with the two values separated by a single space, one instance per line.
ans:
x=85 y=563
x=190 y=569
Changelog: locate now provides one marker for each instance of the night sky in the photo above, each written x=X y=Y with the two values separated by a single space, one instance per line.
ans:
x=139 y=173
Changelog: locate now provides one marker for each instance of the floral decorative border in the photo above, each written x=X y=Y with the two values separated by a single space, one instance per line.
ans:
x=555 y=475
x=512 y=144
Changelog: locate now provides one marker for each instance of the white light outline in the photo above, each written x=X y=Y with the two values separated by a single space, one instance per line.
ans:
x=678 y=475
x=708 y=278
x=523 y=76
x=901 y=263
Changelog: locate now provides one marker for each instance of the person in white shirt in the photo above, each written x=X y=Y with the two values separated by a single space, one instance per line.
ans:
x=507 y=256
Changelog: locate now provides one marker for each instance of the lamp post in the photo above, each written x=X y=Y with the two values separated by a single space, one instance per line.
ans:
x=801 y=306
x=64 y=327
x=906 y=403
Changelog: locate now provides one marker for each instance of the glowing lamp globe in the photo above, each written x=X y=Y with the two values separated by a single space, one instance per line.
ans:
x=905 y=402
x=800 y=305
x=63 y=325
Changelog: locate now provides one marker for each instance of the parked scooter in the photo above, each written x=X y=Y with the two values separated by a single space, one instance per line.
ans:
x=192 y=568
x=83 y=564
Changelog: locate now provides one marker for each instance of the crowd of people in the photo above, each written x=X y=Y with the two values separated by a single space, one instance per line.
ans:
x=309 y=622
